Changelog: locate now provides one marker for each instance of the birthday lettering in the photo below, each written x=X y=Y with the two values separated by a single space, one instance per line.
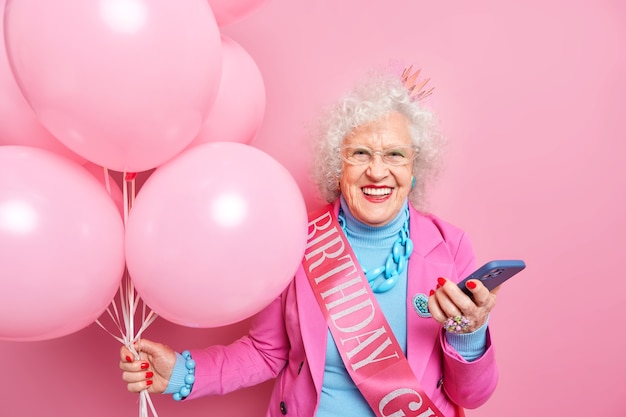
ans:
x=351 y=310
x=363 y=343
x=317 y=225
x=346 y=299
x=413 y=403
x=363 y=337
x=345 y=262
x=336 y=243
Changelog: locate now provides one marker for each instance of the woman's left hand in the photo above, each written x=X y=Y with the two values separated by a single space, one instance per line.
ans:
x=449 y=301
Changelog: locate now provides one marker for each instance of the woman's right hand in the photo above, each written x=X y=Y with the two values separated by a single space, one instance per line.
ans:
x=152 y=370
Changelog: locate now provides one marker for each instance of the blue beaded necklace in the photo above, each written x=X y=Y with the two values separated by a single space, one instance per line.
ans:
x=397 y=260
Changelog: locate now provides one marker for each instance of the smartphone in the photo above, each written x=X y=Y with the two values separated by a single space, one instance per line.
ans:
x=493 y=273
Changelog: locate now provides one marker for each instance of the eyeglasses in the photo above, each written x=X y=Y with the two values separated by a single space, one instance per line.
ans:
x=364 y=155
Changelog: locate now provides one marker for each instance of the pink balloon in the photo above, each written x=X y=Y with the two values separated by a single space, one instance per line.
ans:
x=19 y=124
x=215 y=234
x=239 y=107
x=61 y=245
x=126 y=84
x=230 y=11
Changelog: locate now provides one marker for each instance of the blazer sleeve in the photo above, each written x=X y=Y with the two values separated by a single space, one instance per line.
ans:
x=468 y=384
x=254 y=358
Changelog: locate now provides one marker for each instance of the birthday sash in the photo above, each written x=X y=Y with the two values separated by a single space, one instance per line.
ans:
x=368 y=347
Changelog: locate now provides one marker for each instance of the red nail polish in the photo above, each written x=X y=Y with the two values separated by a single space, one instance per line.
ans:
x=149 y=382
x=471 y=285
x=145 y=365
x=431 y=292
x=149 y=374
x=128 y=359
x=441 y=281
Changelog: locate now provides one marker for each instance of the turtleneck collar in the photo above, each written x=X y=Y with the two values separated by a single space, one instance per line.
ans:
x=363 y=234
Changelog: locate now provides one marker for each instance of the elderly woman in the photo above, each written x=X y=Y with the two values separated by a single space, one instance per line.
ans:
x=376 y=149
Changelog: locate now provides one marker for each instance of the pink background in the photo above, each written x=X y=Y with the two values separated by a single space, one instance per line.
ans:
x=531 y=97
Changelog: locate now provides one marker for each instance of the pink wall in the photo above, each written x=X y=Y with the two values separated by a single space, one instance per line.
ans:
x=532 y=98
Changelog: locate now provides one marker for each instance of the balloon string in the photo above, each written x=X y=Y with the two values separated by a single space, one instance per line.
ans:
x=107 y=180
x=129 y=302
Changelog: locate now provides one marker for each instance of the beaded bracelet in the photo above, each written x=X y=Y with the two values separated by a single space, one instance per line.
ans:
x=190 y=378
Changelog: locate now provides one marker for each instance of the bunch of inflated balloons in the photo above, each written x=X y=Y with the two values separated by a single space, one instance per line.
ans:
x=217 y=229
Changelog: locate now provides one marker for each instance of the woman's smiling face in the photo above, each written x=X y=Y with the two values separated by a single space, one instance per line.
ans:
x=376 y=191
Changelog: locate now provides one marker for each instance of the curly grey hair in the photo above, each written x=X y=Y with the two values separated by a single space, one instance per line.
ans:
x=368 y=101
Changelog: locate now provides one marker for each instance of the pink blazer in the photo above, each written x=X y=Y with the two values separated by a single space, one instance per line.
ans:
x=288 y=338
